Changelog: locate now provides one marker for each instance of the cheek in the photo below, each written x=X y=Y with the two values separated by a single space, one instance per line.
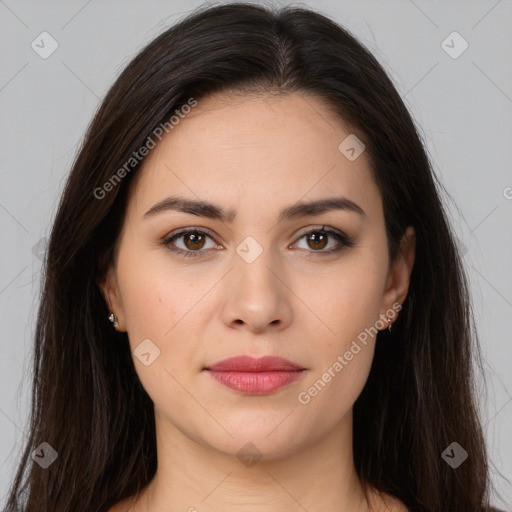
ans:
x=349 y=306
x=150 y=307
x=162 y=340
x=160 y=305
x=340 y=373
x=348 y=303
x=152 y=294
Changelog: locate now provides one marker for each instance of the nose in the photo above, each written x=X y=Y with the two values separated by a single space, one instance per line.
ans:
x=255 y=295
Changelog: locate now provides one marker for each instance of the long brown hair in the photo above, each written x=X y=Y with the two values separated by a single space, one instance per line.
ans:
x=87 y=400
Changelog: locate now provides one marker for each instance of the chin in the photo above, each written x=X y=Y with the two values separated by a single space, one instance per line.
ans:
x=256 y=448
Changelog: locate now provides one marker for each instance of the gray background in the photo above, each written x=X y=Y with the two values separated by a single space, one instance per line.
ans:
x=463 y=106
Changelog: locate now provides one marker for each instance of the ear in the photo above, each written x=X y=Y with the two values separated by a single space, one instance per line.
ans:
x=109 y=289
x=397 y=284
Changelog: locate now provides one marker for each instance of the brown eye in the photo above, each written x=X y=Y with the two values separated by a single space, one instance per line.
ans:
x=193 y=240
x=317 y=239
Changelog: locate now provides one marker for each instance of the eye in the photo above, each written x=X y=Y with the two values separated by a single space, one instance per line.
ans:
x=317 y=239
x=193 y=239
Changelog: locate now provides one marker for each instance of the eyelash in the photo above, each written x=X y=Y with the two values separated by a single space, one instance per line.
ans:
x=342 y=238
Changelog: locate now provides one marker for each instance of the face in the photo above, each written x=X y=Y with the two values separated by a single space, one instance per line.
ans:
x=270 y=277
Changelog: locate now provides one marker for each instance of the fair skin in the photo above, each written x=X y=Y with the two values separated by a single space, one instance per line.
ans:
x=255 y=156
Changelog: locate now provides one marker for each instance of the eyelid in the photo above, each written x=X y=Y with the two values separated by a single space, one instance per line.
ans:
x=320 y=227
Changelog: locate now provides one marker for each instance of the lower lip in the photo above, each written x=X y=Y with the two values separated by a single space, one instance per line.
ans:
x=256 y=383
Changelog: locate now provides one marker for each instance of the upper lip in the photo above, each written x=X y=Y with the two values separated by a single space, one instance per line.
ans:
x=250 y=364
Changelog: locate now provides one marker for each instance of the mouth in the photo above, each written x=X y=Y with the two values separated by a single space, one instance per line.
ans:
x=255 y=376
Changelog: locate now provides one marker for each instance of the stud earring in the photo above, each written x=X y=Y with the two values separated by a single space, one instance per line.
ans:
x=390 y=324
x=113 y=319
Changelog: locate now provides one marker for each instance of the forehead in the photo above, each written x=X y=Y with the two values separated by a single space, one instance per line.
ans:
x=253 y=152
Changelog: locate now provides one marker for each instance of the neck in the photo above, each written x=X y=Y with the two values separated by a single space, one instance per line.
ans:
x=194 y=477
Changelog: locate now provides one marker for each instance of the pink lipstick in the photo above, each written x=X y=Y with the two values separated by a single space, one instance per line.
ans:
x=255 y=376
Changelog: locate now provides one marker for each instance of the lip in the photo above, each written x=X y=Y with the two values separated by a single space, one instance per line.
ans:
x=251 y=364
x=255 y=376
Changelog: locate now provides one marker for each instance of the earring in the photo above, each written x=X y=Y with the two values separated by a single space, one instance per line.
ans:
x=390 y=324
x=113 y=319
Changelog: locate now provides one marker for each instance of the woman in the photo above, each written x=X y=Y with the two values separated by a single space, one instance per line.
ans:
x=253 y=299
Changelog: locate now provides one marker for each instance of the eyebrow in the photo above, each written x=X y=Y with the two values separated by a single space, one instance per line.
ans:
x=211 y=211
